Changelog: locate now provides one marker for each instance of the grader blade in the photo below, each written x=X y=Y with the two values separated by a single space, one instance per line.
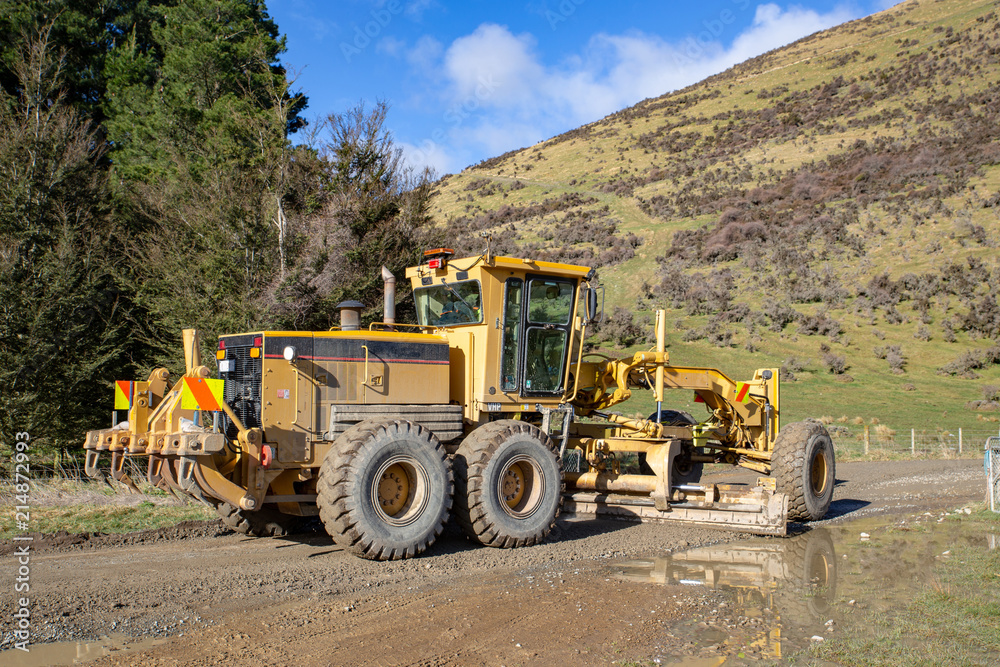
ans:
x=753 y=510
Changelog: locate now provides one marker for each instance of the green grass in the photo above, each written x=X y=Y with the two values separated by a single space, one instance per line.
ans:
x=93 y=507
x=954 y=619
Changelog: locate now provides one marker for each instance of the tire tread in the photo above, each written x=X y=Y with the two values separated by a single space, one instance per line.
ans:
x=337 y=507
x=473 y=456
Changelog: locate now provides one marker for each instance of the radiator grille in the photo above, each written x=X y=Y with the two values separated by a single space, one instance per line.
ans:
x=242 y=387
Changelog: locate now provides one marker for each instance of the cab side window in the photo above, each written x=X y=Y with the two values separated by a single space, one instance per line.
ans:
x=550 y=307
x=511 y=334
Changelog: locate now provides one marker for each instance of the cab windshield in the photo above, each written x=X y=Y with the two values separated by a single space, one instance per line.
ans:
x=449 y=304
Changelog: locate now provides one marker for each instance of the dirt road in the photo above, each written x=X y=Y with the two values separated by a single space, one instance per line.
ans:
x=218 y=598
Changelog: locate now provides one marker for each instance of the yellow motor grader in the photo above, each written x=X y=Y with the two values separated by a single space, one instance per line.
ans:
x=488 y=409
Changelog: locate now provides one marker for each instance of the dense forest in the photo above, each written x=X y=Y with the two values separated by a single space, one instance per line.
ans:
x=158 y=174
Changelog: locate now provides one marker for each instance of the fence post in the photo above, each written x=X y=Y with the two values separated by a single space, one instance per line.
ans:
x=866 y=439
x=959 y=440
x=913 y=442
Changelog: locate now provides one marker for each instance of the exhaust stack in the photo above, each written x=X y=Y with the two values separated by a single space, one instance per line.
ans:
x=389 y=310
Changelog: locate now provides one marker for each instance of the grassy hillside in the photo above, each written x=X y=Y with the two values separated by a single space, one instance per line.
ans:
x=831 y=207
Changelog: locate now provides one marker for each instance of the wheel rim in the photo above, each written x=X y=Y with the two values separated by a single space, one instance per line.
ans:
x=521 y=487
x=817 y=474
x=399 y=494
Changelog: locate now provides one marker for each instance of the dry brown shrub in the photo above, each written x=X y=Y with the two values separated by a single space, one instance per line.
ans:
x=884 y=434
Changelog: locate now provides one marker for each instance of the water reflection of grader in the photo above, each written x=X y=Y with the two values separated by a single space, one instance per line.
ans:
x=796 y=579
x=472 y=411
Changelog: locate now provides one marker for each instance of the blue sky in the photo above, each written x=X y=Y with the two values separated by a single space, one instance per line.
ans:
x=468 y=80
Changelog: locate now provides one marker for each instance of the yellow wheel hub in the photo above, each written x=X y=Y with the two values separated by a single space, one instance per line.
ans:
x=520 y=487
x=817 y=475
x=393 y=490
x=512 y=485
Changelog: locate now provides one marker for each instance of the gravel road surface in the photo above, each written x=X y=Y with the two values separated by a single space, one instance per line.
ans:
x=213 y=597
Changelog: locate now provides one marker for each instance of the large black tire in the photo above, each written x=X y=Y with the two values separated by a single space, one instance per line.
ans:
x=804 y=468
x=508 y=484
x=685 y=471
x=385 y=490
x=265 y=522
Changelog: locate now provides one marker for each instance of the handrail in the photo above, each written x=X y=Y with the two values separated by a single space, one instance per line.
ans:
x=385 y=326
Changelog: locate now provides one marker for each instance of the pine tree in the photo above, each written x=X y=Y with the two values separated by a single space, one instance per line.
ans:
x=199 y=118
x=65 y=323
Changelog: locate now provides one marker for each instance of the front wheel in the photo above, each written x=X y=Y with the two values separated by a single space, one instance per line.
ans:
x=803 y=467
x=508 y=484
x=385 y=490
x=684 y=470
x=265 y=522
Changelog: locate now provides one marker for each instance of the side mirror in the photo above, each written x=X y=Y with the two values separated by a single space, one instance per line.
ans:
x=593 y=308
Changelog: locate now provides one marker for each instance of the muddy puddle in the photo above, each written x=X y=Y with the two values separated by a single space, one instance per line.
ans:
x=770 y=599
x=74 y=653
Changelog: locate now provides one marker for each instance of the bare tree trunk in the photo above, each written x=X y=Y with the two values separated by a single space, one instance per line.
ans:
x=282 y=223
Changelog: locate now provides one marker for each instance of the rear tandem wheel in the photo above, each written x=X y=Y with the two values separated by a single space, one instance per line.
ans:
x=385 y=489
x=508 y=484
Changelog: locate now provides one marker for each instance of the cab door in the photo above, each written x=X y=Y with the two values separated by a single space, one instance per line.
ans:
x=538 y=314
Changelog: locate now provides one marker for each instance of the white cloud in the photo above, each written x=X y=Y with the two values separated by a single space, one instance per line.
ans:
x=493 y=58
x=390 y=46
x=429 y=154
x=773 y=27
x=415 y=9
x=499 y=95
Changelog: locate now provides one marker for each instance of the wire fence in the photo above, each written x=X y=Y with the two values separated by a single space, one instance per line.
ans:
x=992 y=464
x=850 y=441
x=879 y=440
x=70 y=467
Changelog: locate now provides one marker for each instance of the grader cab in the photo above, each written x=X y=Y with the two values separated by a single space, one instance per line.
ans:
x=488 y=408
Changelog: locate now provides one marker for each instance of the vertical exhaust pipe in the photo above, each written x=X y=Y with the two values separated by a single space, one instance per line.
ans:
x=389 y=312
